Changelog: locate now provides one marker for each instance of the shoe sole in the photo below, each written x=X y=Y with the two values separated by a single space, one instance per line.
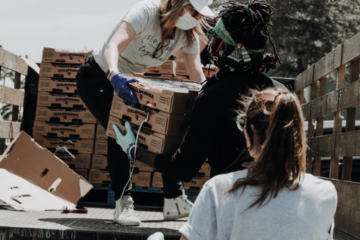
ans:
x=127 y=223
x=176 y=217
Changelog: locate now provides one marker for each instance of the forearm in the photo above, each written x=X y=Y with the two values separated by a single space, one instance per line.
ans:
x=111 y=58
x=144 y=156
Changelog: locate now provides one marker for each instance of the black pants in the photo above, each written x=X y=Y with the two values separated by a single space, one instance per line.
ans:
x=97 y=93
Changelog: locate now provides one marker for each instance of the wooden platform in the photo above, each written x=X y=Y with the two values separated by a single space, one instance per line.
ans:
x=97 y=224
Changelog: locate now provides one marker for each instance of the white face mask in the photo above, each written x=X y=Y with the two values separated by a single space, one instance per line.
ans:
x=187 y=22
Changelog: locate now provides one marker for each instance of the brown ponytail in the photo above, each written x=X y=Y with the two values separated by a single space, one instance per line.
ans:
x=274 y=123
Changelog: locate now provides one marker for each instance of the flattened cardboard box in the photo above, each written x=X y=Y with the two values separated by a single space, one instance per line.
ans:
x=160 y=122
x=82 y=172
x=168 y=96
x=101 y=146
x=51 y=70
x=65 y=130
x=59 y=100
x=100 y=132
x=141 y=179
x=99 y=176
x=51 y=55
x=195 y=183
x=73 y=145
x=157 y=180
x=152 y=141
x=57 y=85
x=168 y=67
x=81 y=161
x=64 y=115
x=33 y=179
x=99 y=161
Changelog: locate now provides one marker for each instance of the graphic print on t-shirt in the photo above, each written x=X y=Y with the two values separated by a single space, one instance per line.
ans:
x=151 y=45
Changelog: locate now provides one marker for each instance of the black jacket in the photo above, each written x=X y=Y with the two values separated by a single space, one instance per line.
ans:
x=213 y=133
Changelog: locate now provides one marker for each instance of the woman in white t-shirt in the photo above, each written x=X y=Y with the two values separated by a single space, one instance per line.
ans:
x=273 y=198
x=147 y=36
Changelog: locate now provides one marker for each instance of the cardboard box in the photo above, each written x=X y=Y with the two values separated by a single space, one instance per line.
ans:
x=205 y=169
x=66 y=130
x=81 y=161
x=168 y=67
x=141 y=179
x=73 y=145
x=142 y=167
x=210 y=70
x=168 y=96
x=100 y=132
x=82 y=172
x=59 y=100
x=152 y=141
x=160 y=122
x=157 y=180
x=51 y=55
x=64 y=115
x=181 y=68
x=99 y=176
x=33 y=179
x=156 y=76
x=57 y=85
x=51 y=70
x=197 y=182
x=99 y=161
x=101 y=147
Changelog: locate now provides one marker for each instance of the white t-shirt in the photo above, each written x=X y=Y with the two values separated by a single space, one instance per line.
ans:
x=138 y=56
x=304 y=214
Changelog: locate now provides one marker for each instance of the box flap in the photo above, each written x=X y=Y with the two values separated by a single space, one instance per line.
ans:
x=39 y=166
x=24 y=195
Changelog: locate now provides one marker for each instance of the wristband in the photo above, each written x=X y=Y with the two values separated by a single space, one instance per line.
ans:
x=128 y=151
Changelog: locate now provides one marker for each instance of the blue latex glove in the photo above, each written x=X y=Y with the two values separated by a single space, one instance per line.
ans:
x=121 y=86
x=127 y=141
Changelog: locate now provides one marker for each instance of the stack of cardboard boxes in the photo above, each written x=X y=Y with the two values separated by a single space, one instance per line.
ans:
x=169 y=106
x=62 y=123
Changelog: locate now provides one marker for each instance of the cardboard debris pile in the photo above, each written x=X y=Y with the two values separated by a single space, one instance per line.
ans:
x=34 y=179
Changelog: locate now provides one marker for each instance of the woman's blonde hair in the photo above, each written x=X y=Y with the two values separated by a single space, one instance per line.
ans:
x=170 y=14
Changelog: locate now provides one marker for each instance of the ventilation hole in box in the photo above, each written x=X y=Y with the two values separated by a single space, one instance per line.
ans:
x=44 y=173
x=54 y=119
x=126 y=118
x=146 y=125
x=26 y=195
x=51 y=190
x=12 y=188
x=143 y=146
x=15 y=200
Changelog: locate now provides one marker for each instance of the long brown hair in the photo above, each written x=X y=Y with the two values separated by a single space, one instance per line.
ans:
x=170 y=15
x=274 y=123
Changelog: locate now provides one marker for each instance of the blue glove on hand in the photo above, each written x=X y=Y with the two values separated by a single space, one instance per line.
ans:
x=121 y=86
x=127 y=142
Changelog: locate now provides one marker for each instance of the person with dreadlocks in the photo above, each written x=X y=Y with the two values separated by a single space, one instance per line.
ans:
x=238 y=45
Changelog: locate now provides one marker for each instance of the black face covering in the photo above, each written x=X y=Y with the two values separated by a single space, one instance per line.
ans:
x=223 y=55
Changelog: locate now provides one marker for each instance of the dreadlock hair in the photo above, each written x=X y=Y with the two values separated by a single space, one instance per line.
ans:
x=250 y=23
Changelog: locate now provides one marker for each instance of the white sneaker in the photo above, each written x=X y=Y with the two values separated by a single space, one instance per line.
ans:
x=175 y=208
x=124 y=212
